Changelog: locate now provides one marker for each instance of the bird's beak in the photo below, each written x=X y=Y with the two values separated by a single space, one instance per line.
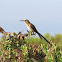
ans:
x=21 y=20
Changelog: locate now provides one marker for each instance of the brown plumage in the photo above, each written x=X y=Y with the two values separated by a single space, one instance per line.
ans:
x=2 y=30
x=32 y=28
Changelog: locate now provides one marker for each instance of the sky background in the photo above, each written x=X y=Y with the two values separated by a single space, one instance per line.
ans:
x=46 y=15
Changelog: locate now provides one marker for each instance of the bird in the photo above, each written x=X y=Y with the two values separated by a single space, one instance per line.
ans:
x=32 y=28
x=2 y=30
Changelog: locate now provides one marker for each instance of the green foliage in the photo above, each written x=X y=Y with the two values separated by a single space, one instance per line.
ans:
x=52 y=53
x=17 y=49
x=22 y=48
x=58 y=40
x=24 y=51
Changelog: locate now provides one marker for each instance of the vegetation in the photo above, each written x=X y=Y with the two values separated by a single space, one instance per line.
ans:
x=24 y=48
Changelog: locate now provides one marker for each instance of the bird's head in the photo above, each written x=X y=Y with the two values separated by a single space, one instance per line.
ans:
x=26 y=21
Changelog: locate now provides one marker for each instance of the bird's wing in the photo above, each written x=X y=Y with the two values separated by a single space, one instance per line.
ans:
x=34 y=28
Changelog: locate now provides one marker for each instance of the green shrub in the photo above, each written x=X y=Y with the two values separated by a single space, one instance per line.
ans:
x=17 y=49
x=23 y=48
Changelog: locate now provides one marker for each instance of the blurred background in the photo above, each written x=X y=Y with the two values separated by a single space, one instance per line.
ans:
x=46 y=15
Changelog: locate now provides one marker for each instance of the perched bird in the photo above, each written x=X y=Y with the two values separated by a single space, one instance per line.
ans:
x=32 y=28
x=2 y=30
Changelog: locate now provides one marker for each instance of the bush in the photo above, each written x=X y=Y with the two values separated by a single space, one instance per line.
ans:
x=16 y=49
x=20 y=48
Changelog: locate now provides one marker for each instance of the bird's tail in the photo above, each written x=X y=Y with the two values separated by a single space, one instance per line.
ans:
x=41 y=36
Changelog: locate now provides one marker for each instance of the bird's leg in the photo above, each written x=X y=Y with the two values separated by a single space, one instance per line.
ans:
x=27 y=31
x=33 y=33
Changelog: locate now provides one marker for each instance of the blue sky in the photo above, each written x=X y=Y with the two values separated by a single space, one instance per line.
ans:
x=46 y=15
